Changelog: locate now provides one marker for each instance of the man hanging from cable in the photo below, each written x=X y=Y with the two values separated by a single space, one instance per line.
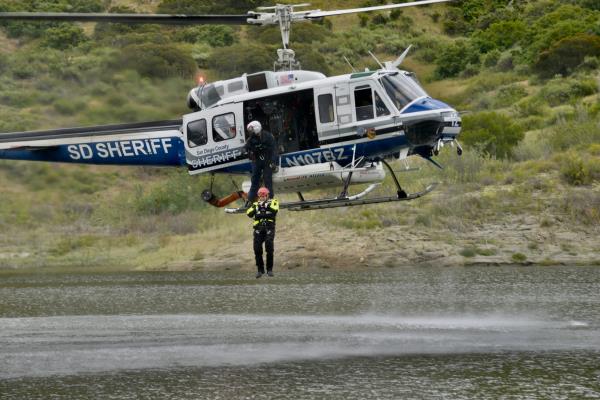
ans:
x=264 y=211
x=262 y=150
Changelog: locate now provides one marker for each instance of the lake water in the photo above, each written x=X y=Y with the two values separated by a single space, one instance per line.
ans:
x=427 y=333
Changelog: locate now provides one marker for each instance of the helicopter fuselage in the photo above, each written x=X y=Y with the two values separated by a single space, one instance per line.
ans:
x=371 y=114
x=336 y=120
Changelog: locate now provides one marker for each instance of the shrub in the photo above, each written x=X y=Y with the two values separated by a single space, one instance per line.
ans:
x=454 y=58
x=28 y=29
x=69 y=244
x=379 y=19
x=519 y=257
x=567 y=54
x=509 y=95
x=213 y=35
x=581 y=131
x=157 y=61
x=311 y=59
x=560 y=91
x=12 y=120
x=496 y=134
x=531 y=106
x=500 y=35
x=426 y=48
x=505 y=62
x=550 y=28
x=491 y=58
x=574 y=171
x=67 y=106
x=535 y=146
x=4 y=64
x=454 y=22
x=468 y=252
x=582 y=206
x=64 y=36
x=208 y=6
x=240 y=58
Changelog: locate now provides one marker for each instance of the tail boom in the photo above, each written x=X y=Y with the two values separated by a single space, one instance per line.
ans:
x=151 y=143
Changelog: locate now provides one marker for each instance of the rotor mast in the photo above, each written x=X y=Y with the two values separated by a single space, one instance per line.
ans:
x=286 y=57
x=284 y=15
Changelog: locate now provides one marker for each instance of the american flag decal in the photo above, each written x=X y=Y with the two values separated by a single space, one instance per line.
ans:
x=286 y=79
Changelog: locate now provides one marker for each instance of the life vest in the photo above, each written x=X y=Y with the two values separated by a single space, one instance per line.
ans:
x=264 y=213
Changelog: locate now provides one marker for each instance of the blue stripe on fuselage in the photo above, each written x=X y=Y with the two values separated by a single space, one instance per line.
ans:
x=342 y=154
x=427 y=104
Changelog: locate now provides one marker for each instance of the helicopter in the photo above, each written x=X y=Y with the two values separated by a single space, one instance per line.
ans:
x=332 y=132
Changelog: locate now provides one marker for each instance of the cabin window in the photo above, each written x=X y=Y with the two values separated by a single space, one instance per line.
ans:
x=235 y=86
x=326 y=108
x=380 y=106
x=196 y=133
x=223 y=127
x=363 y=102
x=257 y=82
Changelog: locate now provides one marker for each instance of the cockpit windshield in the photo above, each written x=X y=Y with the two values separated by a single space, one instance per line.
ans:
x=210 y=94
x=401 y=89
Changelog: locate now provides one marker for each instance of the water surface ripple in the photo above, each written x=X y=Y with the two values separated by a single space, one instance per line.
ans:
x=410 y=333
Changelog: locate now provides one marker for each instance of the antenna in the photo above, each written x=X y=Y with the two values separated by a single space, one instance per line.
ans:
x=375 y=58
x=348 y=62
x=399 y=60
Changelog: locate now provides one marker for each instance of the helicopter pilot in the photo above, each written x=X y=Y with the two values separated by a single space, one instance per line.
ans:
x=262 y=150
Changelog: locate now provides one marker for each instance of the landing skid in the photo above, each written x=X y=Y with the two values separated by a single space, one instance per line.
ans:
x=308 y=205
x=348 y=202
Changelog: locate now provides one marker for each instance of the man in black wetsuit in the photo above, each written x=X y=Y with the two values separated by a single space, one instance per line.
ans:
x=264 y=211
x=262 y=150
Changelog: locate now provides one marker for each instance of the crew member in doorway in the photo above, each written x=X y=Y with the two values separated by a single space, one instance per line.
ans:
x=264 y=212
x=262 y=150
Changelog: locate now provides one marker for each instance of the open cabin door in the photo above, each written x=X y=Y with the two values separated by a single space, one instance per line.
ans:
x=214 y=138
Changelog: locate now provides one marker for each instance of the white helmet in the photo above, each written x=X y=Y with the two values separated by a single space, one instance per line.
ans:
x=254 y=127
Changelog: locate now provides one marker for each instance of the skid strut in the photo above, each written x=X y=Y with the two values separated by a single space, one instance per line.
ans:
x=400 y=192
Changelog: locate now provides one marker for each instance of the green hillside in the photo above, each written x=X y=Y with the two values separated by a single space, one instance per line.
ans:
x=525 y=75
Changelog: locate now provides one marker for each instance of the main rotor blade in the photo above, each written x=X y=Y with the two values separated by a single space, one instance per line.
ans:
x=163 y=19
x=321 y=14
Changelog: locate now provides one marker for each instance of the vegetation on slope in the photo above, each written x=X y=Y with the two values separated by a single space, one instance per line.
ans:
x=524 y=74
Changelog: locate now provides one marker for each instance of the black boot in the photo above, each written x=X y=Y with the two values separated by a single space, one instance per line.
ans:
x=259 y=274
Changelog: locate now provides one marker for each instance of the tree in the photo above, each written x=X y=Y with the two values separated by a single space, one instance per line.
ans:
x=496 y=134
x=565 y=55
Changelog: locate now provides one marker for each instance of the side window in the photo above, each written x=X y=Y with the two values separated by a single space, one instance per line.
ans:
x=223 y=127
x=380 y=106
x=235 y=86
x=196 y=133
x=325 y=108
x=363 y=101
